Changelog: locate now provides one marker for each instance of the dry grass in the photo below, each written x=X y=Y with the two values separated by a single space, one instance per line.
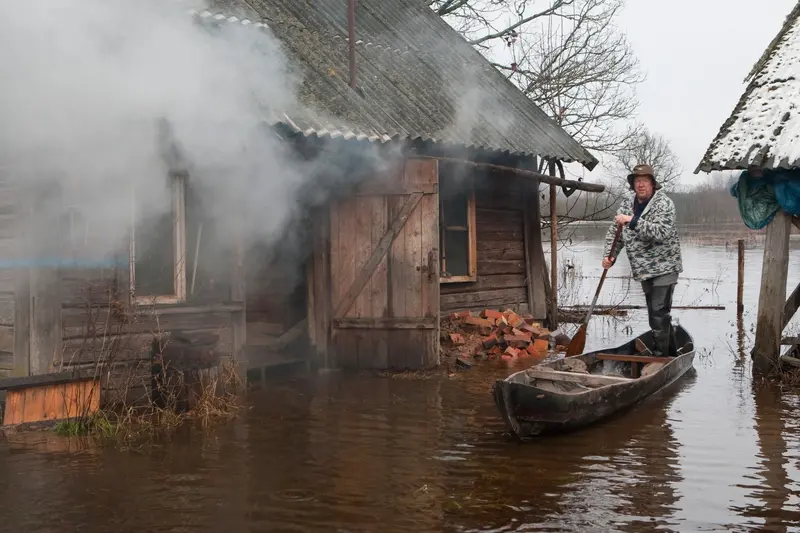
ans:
x=144 y=397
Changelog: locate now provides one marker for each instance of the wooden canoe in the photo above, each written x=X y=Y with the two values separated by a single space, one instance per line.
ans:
x=574 y=392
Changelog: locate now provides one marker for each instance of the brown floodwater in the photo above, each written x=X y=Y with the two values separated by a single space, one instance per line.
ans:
x=339 y=453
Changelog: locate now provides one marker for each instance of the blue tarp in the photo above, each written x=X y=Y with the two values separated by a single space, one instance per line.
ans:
x=760 y=198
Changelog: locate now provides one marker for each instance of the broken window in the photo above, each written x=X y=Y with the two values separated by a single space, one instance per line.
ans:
x=158 y=243
x=457 y=230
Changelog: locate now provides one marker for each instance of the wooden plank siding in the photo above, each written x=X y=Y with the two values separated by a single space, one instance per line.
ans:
x=8 y=254
x=500 y=234
x=383 y=266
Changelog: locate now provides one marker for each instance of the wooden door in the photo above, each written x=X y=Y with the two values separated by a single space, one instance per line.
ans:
x=385 y=272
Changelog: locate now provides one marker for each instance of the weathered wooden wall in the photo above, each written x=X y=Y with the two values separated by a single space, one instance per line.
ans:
x=500 y=248
x=100 y=329
x=7 y=254
x=97 y=326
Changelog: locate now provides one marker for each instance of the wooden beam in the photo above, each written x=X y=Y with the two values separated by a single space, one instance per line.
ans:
x=377 y=255
x=534 y=253
x=551 y=180
x=51 y=378
x=239 y=295
x=553 y=315
x=22 y=323
x=592 y=380
x=289 y=336
x=771 y=298
x=583 y=308
x=791 y=306
x=45 y=292
x=322 y=287
x=625 y=358
x=385 y=323
x=791 y=361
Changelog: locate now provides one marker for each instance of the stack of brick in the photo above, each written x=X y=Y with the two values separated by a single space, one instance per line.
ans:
x=500 y=335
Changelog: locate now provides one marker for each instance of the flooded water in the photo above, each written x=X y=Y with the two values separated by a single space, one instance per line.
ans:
x=335 y=453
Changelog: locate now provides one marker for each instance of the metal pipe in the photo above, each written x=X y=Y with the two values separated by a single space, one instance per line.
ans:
x=351 y=30
x=553 y=258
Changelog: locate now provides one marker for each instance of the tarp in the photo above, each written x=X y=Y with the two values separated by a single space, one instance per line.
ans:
x=757 y=202
x=760 y=198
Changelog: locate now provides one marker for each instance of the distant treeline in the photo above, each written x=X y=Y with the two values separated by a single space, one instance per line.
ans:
x=709 y=203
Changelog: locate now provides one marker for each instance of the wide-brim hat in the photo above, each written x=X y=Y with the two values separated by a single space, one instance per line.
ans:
x=643 y=170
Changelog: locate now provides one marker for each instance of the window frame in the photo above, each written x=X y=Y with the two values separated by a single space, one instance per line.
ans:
x=178 y=205
x=472 y=242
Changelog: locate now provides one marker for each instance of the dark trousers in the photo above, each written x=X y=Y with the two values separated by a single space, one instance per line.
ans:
x=659 y=307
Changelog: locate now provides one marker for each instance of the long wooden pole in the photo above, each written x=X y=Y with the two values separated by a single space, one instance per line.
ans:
x=543 y=178
x=553 y=259
x=581 y=308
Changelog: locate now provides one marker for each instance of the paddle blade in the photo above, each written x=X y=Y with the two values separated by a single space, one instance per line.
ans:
x=578 y=342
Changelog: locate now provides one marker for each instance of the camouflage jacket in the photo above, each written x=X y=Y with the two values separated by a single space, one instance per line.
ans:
x=653 y=246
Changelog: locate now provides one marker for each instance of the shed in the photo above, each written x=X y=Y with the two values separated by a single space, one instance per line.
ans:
x=760 y=138
x=439 y=211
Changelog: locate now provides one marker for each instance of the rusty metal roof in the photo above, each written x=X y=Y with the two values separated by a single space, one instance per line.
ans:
x=418 y=79
x=764 y=128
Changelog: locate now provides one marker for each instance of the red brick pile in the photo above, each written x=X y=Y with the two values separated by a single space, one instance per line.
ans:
x=497 y=335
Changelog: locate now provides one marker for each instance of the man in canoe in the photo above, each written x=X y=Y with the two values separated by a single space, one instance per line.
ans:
x=650 y=237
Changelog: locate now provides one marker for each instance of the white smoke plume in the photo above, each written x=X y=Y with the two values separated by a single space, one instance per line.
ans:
x=86 y=84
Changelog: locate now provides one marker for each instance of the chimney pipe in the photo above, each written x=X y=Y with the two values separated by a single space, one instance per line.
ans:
x=351 y=30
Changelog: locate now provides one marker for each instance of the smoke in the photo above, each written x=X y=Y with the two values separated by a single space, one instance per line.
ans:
x=97 y=92
x=89 y=86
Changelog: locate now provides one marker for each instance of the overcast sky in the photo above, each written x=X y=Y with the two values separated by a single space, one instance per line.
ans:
x=696 y=54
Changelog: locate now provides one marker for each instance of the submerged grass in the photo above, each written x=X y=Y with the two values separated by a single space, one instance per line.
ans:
x=138 y=426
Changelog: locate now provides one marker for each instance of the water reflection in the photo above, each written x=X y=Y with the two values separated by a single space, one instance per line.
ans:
x=772 y=497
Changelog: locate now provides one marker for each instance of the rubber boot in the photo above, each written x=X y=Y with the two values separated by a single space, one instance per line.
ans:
x=659 y=308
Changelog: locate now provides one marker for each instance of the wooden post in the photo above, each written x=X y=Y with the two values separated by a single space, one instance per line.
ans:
x=740 y=305
x=772 y=298
x=37 y=328
x=740 y=281
x=22 y=294
x=45 y=322
x=553 y=260
x=238 y=295
x=534 y=256
x=319 y=317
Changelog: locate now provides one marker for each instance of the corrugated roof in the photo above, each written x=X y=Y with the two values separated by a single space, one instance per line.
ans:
x=764 y=128
x=418 y=78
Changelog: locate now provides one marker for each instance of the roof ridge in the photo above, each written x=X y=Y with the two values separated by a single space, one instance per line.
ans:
x=522 y=134
x=790 y=19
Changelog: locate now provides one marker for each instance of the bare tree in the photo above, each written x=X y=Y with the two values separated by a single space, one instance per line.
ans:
x=646 y=147
x=566 y=55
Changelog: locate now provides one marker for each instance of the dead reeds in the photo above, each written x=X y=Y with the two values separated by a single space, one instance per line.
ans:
x=143 y=394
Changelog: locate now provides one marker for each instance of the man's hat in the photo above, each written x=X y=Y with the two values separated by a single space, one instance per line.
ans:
x=643 y=170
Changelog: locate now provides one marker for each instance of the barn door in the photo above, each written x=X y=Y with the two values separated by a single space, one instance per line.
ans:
x=385 y=272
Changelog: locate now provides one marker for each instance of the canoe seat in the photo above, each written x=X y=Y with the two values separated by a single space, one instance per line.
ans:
x=630 y=358
x=590 y=380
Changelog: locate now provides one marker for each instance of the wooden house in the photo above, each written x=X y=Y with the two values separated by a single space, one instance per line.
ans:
x=449 y=220
x=760 y=137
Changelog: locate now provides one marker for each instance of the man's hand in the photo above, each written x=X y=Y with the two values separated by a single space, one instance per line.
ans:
x=607 y=263
x=623 y=219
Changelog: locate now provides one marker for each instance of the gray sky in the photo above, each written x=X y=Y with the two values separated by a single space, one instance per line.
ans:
x=696 y=54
